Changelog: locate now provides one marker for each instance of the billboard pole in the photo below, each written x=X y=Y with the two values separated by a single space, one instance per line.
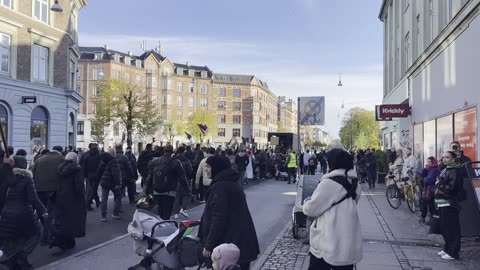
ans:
x=298 y=126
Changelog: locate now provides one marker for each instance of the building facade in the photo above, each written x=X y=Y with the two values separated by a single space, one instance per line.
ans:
x=39 y=51
x=242 y=105
x=287 y=115
x=431 y=56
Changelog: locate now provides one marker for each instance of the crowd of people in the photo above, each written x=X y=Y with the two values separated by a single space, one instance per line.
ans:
x=47 y=202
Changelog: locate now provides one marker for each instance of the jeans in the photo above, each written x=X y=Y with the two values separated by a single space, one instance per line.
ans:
x=181 y=202
x=164 y=205
x=131 y=188
x=320 y=264
x=311 y=169
x=371 y=178
x=242 y=176
x=117 y=198
x=48 y=200
x=92 y=191
x=450 y=227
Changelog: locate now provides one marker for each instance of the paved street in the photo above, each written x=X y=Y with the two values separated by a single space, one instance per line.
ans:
x=270 y=203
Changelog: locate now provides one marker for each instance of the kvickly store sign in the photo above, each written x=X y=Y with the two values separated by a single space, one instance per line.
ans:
x=386 y=111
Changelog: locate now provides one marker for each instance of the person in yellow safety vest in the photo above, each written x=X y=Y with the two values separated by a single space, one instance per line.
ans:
x=292 y=165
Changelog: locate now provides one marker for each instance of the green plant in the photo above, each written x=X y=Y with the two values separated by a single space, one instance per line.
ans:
x=382 y=165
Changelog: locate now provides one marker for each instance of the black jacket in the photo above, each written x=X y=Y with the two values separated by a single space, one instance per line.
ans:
x=176 y=172
x=188 y=169
x=17 y=218
x=90 y=162
x=242 y=161
x=133 y=163
x=109 y=172
x=70 y=211
x=125 y=168
x=145 y=157
x=226 y=218
x=447 y=186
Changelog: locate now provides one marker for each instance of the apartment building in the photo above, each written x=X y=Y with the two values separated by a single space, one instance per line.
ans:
x=39 y=51
x=287 y=115
x=431 y=56
x=245 y=108
x=242 y=104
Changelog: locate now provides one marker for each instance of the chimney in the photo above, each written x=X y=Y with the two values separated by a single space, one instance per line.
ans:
x=188 y=64
x=106 y=47
x=130 y=53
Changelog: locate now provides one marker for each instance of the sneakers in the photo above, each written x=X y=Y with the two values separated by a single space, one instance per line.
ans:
x=184 y=213
x=176 y=216
x=104 y=219
x=115 y=216
x=447 y=257
x=441 y=253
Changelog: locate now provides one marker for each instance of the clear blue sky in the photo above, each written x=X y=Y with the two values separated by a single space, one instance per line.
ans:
x=297 y=46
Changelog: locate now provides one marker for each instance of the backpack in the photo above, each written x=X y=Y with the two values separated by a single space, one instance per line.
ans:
x=351 y=188
x=162 y=177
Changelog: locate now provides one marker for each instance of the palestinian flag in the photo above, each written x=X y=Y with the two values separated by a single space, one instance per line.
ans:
x=203 y=128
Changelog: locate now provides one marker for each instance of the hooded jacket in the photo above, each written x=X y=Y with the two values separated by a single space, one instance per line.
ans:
x=125 y=167
x=70 y=211
x=17 y=217
x=145 y=157
x=430 y=176
x=448 y=182
x=109 y=172
x=202 y=173
x=227 y=219
x=335 y=233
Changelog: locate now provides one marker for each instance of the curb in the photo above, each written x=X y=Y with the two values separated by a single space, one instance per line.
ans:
x=263 y=258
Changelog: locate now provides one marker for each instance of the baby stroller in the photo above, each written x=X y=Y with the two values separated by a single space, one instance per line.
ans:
x=282 y=173
x=167 y=243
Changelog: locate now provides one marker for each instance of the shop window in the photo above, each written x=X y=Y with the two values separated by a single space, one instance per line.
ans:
x=418 y=141
x=39 y=130
x=4 y=121
x=444 y=134
x=429 y=139
x=466 y=132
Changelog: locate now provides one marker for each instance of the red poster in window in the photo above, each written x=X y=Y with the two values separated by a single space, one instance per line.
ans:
x=466 y=132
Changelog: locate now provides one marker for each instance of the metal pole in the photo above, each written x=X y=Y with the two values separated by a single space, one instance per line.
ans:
x=351 y=139
x=298 y=125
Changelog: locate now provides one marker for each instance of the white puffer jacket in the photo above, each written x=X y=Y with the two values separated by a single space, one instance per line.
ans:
x=335 y=233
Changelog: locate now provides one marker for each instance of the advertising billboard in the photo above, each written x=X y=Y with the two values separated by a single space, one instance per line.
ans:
x=312 y=111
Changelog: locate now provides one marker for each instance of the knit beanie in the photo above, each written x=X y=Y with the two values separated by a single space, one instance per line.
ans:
x=72 y=157
x=339 y=159
x=217 y=164
x=20 y=162
x=225 y=256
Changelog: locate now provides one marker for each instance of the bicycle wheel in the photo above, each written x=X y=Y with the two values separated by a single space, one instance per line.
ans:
x=393 y=196
x=410 y=199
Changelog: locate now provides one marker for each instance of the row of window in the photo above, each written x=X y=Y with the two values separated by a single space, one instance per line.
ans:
x=41 y=9
x=235 y=132
x=222 y=92
x=236 y=119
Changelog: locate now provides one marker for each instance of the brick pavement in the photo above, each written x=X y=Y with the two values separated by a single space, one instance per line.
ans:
x=393 y=240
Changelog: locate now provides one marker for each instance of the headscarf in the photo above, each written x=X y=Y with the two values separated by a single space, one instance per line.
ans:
x=433 y=164
x=225 y=256
x=217 y=164
x=72 y=157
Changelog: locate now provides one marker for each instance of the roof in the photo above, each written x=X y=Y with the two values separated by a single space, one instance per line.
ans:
x=232 y=78
x=158 y=56
x=382 y=9
x=198 y=68
x=88 y=53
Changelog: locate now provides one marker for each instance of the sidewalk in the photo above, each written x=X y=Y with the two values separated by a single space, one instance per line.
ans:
x=392 y=240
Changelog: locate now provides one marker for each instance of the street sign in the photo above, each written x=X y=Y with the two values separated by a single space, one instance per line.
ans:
x=29 y=99
x=312 y=111
x=394 y=111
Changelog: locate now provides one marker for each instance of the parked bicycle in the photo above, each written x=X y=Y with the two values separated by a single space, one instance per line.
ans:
x=400 y=189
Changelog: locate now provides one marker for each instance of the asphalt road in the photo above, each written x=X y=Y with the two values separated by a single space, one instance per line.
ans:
x=270 y=204
x=263 y=196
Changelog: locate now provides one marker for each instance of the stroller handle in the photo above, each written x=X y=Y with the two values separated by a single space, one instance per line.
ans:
x=160 y=223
